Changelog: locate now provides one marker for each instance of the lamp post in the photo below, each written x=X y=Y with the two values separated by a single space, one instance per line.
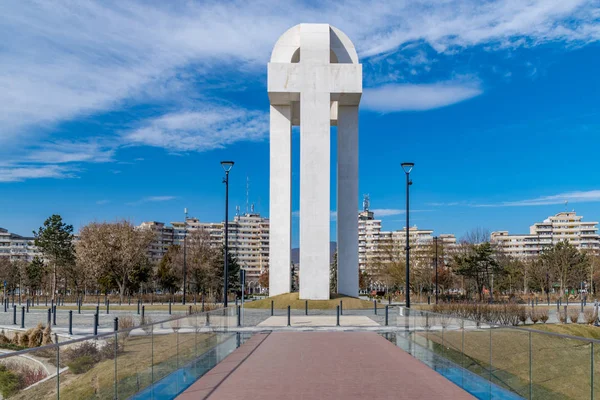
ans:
x=184 y=255
x=435 y=239
x=226 y=167
x=407 y=167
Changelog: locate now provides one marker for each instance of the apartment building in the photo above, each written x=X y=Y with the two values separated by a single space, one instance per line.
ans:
x=17 y=247
x=374 y=244
x=248 y=239
x=162 y=241
x=562 y=226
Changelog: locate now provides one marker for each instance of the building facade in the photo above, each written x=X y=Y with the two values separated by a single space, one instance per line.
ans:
x=562 y=226
x=376 y=246
x=248 y=240
x=17 y=247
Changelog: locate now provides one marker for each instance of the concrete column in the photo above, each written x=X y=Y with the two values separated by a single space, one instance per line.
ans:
x=280 y=198
x=314 y=195
x=347 y=200
x=315 y=159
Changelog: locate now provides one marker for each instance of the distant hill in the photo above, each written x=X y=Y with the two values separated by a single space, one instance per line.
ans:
x=296 y=253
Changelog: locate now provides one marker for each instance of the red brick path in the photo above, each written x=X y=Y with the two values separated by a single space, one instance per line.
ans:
x=321 y=365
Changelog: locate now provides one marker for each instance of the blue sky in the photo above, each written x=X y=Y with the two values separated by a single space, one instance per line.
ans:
x=124 y=109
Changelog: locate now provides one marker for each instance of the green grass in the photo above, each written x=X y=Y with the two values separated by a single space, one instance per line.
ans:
x=292 y=299
x=560 y=367
x=580 y=330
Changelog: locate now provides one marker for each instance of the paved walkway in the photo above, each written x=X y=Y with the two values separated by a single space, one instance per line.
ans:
x=321 y=365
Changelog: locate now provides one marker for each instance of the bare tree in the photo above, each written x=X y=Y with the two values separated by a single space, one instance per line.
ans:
x=476 y=236
x=113 y=251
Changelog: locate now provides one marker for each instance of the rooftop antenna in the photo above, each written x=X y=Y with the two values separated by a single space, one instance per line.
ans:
x=566 y=203
x=366 y=202
x=237 y=211
x=247 y=192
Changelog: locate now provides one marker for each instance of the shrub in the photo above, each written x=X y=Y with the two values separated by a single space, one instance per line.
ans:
x=24 y=339
x=85 y=349
x=590 y=316
x=543 y=313
x=27 y=374
x=3 y=338
x=10 y=382
x=534 y=316
x=574 y=315
x=522 y=315
x=35 y=336
x=47 y=335
x=15 y=338
x=81 y=364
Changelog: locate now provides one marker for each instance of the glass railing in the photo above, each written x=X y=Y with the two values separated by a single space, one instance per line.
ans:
x=526 y=362
x=154 y=359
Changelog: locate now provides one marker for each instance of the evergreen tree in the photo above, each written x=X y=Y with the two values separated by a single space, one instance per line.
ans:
x=55 y=240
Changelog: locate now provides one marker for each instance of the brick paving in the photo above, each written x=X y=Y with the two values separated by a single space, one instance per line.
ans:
x=321 y=365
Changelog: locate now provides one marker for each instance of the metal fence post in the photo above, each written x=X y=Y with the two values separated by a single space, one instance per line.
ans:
x=305 y=307
x=23 y=317
x=289 y=322
x=95 y=324
x=169 y=306
x=272 y=306
x=70 y=322
x=107 y=306
x=138 y=308
x=337 y=323
x=54 y=317
x=375 y=306
x=79 y=306
x=143 y=312
x=386 y=315
x=49 y=316
x=28 y=305
x=341 y=308
x=239 y=316
x=14 y=315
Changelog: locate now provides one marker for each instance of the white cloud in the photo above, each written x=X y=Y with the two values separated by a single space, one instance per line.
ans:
x=591 y=196
x=210 y=128
x=152 y=199
x=102 y=202
x=64 y=59
x=407 y=97
x=24 y=172
x=70 y=152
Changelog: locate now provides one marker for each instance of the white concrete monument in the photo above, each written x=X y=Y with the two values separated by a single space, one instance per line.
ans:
x=314 y=81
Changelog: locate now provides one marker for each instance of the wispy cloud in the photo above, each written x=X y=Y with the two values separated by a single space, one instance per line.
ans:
x=592 y=196
x=210 y=128
x=70 y=152
x=66 y=59
x=152 y=199
x=407 y=97
x=23 y=172
x=102 y=202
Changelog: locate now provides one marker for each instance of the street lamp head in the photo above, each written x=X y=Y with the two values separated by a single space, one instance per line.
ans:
x=407 y=166
x=227 y=165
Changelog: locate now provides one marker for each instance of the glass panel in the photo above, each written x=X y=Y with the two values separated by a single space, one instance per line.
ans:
x=36 y=366
x=510 y=360
x=134 y=361
x=596 y=370
x=560 y=367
